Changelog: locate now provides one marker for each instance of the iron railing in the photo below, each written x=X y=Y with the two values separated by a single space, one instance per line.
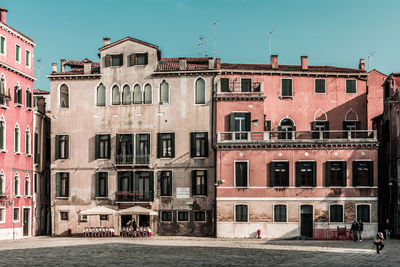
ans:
x=130 y=196
x=132 y=159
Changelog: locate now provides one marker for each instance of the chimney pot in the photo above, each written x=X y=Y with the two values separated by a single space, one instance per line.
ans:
x=361 y=66
x=182 y=63
x=63 y=61
x=218 y=63
x=87 y=67
x=304 y=62
x=274 y=62
x=3 y=15
x=54 y=67
x=106 y=41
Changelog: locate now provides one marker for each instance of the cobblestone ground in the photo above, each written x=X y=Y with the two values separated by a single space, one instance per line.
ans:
x=180 y=251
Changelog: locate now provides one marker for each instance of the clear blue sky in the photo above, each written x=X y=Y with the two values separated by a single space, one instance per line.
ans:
x=337 y=32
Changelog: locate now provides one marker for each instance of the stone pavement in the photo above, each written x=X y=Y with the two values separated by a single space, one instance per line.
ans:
x=187 y=251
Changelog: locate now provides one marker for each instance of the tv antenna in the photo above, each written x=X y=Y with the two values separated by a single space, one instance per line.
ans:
x=200 y=45
x=270 y=46
x=215 y=38
x=39 y=60
x=370 y=55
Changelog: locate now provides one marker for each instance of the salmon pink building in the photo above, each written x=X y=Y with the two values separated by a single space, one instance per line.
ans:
x=295 y=155
x=16 y=115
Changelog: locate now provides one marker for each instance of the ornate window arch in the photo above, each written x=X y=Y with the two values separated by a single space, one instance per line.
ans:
x=17 y=139
x=100 y=95
x=200 y=91
x=137 y=94
x=64 y=96
x=164 y=92
x=116 y=95
x=148 y=94
x=126 y=95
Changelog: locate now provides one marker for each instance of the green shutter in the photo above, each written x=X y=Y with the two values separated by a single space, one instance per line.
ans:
x=159 y=146
x=158 y=184
x=109 y=146
x=137 y=140
x=136 y=182
x=193 y=182
x=344 y=173
x=132 y=144
x=132 y=60
x=232 y=122
x=107 y=60
x=371 y=173
x=314 y=171
x=271 y=177
x=96 y=147
x=247 y=121
x=121 y=58
x=146 y=58
x=97 y=185
x=117 y=143
x=205 y=183
x=67 y=185
x=298 y=174
x=67 y=148
x=355 y=180
x=106 y=187
x=57 y=147
x=151 y=185
x=119 y=185
x=328 y=173
x=57 y=184
x=192 y=145
x=173 y=145
x=206 y=144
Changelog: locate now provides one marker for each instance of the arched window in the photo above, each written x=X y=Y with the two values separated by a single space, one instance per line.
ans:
x=17 y=94
x=64 y=96
x=2 y=133
x=27 y=141
x=200 y=91
x=16 y=185
x=147 y=94
x=116 y=98
x=286 y=125
x=28 y=98
x=137 y=94
x=126 y=95
x=16 y=139
x=27 y=189
x=101 y=95
x=3 y=91
x=164 y=93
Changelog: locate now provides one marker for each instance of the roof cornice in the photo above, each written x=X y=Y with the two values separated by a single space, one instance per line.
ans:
x=17 y=34
x=7 y=67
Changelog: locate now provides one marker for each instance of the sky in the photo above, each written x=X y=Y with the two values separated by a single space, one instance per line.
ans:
x=335 y=33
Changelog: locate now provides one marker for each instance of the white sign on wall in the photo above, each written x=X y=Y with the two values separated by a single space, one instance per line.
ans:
x=183 y=192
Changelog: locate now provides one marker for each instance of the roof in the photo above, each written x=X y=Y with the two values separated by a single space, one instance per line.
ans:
x=79 y=63
x=267 y=67
x=128 y=38
x=192 y=63
x=79 y=71
x=40 y=92
x=20 y=33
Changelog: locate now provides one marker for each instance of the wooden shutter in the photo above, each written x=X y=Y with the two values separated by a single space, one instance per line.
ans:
x=326 y=134
x=137 y=140
x=151 y=186
x=267 y=125
x=173 y=145
x=67 y=147
x=158 y=184
x=170 y=184
x=344 y=173
x=134 y=182
x=97 y=146
x=132 y=59
x=193 y=182
x=119 y=177
x=328 y=165
x=117 y=143
x=132 y=144
x=247 y=121
x=146 y=58
x=280 y=134
x=107 y=60
x=108 y=146
x=106 y=185
x=206 y=144
x=121 y=59
x=97 y=185
x=371 y=173
x=57 y=146
x=298 y=174
x=314 y=128
x=271 y=176
x=232 y=122
x=16 y=94
x=192 y=145
x=67 y=185
x=358 y=125
x=314 y=173
x=57 y=184
x=355 y=178
x=205 y=183
x=159 y=146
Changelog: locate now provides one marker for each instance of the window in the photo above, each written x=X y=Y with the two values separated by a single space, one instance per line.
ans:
x=245 y=85
x=199 y=183
x=363 y=213
x=27 y=142
x=318 y=128
x=16 y=139
x=102 y=149
x=164 y=93
x=27 y=186
x=166 y=183
x=351 y=86
x=116 y=98
x=101 y=95
x=64 y=96
x=62 y=184
x=16 y=214
x=2 y=45
x=144 y=185
x=279 y=174
x=279 y=213
x=363 y=173
x=126 y=95
x=286 y=129
x=336 y=213
x=63 y=216
x=241 y=174
x=103 y=217
x=117 y=60
x=2 y=182
x=124 y=149
x=306 y=173
x=240 y=122
x=101 y=184
x=16 y=185
x=137 y=94
x=35 y=182
x=3 y=91
x=199 y=216
x=352 y=126
x=183 y=216
x=62 y=146
x=17 y=95
x=241 y=213
x=200 y=91
x=225 y=85
x=166 y=216
x=287 y=88
x=147 y=94
x=320 y=86
x=166 y=145
x=142 y=148
x=199 y=144
x=2 y=215
x=138 y=59
x=336 y=173
x=28 y=58
x=18 y=53
x=2 y=134
x=28 y=98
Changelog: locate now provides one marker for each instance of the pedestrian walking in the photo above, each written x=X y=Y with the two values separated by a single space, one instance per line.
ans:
x=379 y=242
x=354 y=230
x=360 y=230
x=388 y=229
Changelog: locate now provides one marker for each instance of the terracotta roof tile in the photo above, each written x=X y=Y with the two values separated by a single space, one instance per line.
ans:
x=76 y=72
x=40 y=92
x=267 y=67
x=192 y=63
x=79 y=63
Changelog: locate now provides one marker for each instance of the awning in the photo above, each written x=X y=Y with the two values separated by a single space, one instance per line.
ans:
x=137 y=210
x=99 y=210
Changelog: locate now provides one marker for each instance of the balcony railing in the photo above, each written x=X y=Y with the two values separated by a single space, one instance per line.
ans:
x=125 y=196
x=297 y=136
x=235 y=86
x=132 y=159
x=36 y=158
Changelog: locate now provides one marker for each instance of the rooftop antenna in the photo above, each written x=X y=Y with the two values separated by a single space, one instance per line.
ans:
x=270 y=47
x=200 y=45
x=39 y=60
x=371 y=54
x=215 y=38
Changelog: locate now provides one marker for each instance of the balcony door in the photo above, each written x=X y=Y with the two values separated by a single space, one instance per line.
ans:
x=124 y=149
x=240 y=122
x=142 y=148
x=286 y=128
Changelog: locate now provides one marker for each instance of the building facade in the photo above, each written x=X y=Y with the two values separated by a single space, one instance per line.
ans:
x=16 y=115
x=133 y=130
x=295 y=155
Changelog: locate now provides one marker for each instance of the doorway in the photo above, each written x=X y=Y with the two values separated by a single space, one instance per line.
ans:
x=25 y=220
x=306 y=220
x=125 y=219
x=144 y=220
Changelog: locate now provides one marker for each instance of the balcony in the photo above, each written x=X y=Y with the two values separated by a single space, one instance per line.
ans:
x=36 y=158
x=132 y=159
x=333 y=136
x=124 y=196
x=235 y=86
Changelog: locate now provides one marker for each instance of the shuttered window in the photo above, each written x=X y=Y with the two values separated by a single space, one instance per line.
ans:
x=62 y=184
x=241 y=213
x=199 y=182
x=279 y=174
x=336 y=213
x=241 y=174
x=287 y=88
x=351 y=86
x=117 y=60
x=335 y=173
x=142 y=59
x=306 y=173
x=166 y=145
x=102 y=146
x=363 y=213
x=101 y=184
x=245 y=85
x=2 y=135
x=224 y=85
x=363 y=173
x=166 y=183
x=320 y=86
x=279 y=213
x=199 y=144
x=62 y=146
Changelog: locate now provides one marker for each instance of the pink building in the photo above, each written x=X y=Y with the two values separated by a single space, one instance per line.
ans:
x=16 y=115
x=295 y=155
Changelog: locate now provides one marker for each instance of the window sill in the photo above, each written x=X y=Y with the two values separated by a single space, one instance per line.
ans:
x=17 y=153
x=166 y=196
x=200 y=196
x=28 y=155
x=28 y=108
x=18 y=105
x=284 y=97
x=28 y=196
x=4 y=107
x=66 y=198
x=166 y=222
x=101 y=198
x=15 y=221
x=3 y=151
x=200 y=158
x=182 y=221
x=103 y=158
x=241 y=187
x=200 y=221
x=163 y=104
x=17 y=196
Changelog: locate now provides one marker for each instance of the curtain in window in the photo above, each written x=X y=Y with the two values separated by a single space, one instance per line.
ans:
x=164 y=92
x=64 y=96
x=126 y=95
x=101 y=95
x=115 y=95
x=137 y=95
x=147 y=94
x=200 y=91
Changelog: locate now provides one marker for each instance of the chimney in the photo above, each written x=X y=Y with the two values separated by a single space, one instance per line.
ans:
x=87 y=67
x=211 y=64
x=54 y=67
x=361 y=66
x=218 y=61
x=274 y=62
x=304 y=62
x=63 y=61
x=3 y=15
x=106 y=41
x=182 y=63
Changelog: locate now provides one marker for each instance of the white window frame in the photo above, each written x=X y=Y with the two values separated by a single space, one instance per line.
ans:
x=16 y=177
x=30 y=58
x=338 y=204
x=195 y=92
x=315 y=86
x=28 y=153
x=3 y=182
x=177 y=216
x=59 y=96
x=346 y=87
x=27 y=178
x=172 y=214
x=5 y=46
x=19 y=214
x=2 y=119
x=19 y=53
x=234 y=212
x=3 y=211
x=141 y=89
x=19 y=141
x=273 y=212
x=280 y=92
x=122 y=94
x=370 y=214
x=248 y=173
x=194 y=216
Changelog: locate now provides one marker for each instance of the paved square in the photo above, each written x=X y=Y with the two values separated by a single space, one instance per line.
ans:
x=185 y=251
